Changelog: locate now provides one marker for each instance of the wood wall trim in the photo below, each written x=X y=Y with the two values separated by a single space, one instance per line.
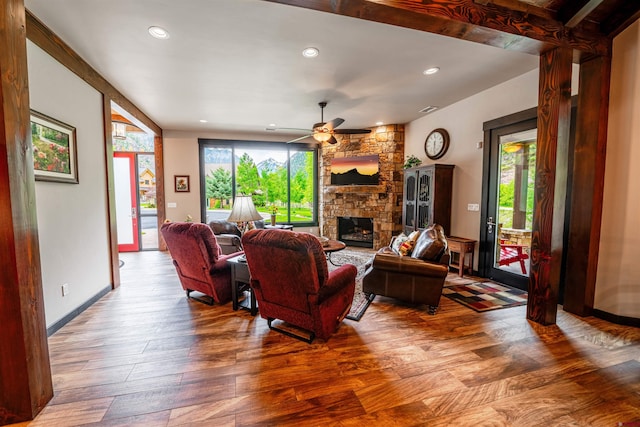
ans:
x=26 y=384
x=554 y=124
x=583 y=243
x=111 y=194
x=160 y=195
x=530 y=31
x=48 y=41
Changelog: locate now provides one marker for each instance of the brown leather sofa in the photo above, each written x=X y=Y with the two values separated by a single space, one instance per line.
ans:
x=418 y=278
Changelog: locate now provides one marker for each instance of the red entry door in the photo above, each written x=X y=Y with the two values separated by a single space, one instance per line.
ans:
x=124 y=168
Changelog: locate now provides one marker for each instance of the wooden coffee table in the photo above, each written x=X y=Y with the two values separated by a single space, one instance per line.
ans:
x=331 y=246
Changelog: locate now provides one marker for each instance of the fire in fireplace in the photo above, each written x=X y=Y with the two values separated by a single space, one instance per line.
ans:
x=356 y=231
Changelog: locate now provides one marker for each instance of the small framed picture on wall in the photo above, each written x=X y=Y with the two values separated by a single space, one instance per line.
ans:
x=182 y=183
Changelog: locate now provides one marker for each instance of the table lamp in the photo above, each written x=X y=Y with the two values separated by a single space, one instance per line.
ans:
x=243 y=211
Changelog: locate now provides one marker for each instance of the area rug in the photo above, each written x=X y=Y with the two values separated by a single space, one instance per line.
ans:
x=359 y=258
x=484 y=295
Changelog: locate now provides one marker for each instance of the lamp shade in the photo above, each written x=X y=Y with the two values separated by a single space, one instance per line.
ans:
x=243 y=210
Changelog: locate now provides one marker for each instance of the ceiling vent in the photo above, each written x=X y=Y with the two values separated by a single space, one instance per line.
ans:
x=429 y=109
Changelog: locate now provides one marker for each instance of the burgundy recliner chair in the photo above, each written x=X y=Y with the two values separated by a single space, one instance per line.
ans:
x=199 y=261
x=291 y=282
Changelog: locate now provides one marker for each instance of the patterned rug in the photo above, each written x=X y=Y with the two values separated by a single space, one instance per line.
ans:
x=357 y=257
x=482 y=295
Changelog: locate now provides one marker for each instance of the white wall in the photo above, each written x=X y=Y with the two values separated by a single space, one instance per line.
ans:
x=618 y=279
x=72 y=222
x=464 y=121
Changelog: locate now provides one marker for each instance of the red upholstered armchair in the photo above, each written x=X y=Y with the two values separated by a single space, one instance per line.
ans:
x=199 y=261
x=291 y=282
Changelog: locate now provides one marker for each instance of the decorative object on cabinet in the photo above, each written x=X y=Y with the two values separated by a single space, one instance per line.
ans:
x=436 y=144
x=427 y=197
x=411 y=162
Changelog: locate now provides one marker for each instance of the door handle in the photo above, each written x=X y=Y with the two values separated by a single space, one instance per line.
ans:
x=133 y=212
x=490 y=225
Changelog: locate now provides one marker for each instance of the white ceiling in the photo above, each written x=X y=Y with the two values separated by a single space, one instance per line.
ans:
x=238 y=63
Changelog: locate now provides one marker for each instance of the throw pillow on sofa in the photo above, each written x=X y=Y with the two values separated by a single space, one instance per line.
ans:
x=399 y=240
x=431 y=244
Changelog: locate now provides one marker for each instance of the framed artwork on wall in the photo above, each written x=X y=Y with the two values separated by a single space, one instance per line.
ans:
x=54 y=149
x=181 y=183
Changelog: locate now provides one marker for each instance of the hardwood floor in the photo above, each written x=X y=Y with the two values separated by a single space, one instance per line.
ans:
x=145 y=355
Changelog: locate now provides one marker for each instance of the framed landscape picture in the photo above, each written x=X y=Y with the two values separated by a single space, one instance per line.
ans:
x=182 y=183
x=54 y=149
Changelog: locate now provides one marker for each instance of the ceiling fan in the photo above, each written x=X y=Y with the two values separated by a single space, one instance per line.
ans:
x=324 y=132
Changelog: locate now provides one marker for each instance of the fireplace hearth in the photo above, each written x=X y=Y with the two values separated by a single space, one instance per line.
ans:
x=356 y=231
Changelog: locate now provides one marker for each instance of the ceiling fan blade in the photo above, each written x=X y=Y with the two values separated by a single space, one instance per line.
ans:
x=298 y=129
x=299 y=139
x=334 y=123
x=332 y=140
x=351 y=131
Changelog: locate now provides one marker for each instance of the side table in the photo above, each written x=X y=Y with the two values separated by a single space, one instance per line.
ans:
x=240 y=283
x=279 y=227
x=462 y=247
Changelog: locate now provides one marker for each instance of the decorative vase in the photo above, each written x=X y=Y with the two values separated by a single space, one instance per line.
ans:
x=273 y=220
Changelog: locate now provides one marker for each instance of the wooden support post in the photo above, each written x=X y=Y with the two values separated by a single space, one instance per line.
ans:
x=25 y=373
x=587 y=192
x=158 y=144
x=554 y=120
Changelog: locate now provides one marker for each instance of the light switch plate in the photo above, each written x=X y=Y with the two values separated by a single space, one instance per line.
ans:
x=172 y=205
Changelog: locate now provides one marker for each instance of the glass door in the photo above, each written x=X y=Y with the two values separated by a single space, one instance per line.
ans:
x=124 y=174
x=508 y=208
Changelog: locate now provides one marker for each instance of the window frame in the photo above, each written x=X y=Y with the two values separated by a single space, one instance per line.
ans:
x=204 y=143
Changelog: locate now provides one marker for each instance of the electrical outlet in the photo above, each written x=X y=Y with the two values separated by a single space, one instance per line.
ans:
x=65 y=289
x=172 y=205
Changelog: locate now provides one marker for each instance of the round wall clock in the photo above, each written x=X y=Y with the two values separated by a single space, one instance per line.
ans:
x=436 y=144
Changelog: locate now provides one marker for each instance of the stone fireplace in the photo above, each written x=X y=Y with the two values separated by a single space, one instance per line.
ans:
x=356 y=231
x=382 y=203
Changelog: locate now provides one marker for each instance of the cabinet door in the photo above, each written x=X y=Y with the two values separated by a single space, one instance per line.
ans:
x=409 y=207
x=424 y=199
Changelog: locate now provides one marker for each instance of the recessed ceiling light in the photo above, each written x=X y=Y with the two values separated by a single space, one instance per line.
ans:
x=310 y=52
x=430 y=71
x=429 y=109
x=203 y=121
x=159 y=32
x=379 y=123
x=272 y=125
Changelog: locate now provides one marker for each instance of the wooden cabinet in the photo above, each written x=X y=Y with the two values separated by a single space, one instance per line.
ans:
x=427 y=197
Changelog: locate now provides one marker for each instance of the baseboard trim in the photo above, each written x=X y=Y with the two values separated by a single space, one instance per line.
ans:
x=615 y=318
x=72 y=315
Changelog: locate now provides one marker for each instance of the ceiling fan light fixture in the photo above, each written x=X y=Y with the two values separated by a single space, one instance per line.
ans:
x=310 y=52
x=322 y=136
x=158 y=32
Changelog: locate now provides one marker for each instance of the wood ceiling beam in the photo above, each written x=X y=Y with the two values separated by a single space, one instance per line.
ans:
x=575 y=12
x=529 y=30
x=625 y=14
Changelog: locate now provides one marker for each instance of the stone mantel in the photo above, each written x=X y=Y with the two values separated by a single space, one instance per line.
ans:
x=355 y=189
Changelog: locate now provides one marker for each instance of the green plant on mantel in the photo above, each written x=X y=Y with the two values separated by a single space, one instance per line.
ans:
x=412 y=161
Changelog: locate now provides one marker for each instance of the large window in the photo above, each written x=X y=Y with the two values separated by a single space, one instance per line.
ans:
x=281 y=178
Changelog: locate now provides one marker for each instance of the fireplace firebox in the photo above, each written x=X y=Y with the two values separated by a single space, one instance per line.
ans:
x=356 y=231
